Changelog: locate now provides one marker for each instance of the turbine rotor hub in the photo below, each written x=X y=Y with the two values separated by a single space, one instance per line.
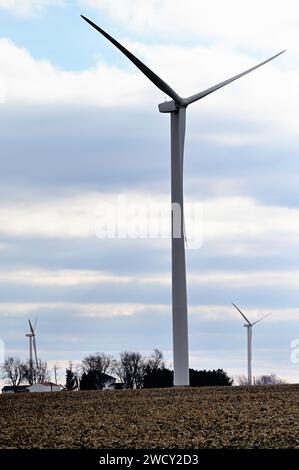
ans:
x=172 y=106
x=184 y=103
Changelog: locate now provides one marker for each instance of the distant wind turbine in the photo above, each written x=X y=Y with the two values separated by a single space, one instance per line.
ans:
x=249 y=326
x=177 y=109
x=32 y=346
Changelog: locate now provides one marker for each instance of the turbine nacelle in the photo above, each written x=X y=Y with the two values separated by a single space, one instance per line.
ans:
x=168 y=107
x=173 y=106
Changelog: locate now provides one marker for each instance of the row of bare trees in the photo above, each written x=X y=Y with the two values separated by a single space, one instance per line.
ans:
x=131 y=369
x=136 y=371
x=271 y=379
x=17 y=372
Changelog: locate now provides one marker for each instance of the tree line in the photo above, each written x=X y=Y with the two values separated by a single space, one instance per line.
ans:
x=135 y=371
x=17 y=372
x=132 y=371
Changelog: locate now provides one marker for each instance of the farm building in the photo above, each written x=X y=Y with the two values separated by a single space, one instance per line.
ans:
x=42 y=387
x=11 y=389
x=108 y=381
x=93 y=380
x=45 y=387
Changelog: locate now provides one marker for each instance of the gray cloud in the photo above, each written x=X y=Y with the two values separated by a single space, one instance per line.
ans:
x=59 y=149
x=52 y=152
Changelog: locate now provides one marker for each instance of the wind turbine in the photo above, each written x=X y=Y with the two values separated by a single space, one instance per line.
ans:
x=177 y=109
x=249 y=326
x=32 y=346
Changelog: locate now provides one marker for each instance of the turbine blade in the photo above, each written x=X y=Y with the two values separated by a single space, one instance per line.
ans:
x=31 y=327
x=206 y=92
x=260 y=319
x=34 y=328
x=246 y=319
x=163 y=86
x=35 y=353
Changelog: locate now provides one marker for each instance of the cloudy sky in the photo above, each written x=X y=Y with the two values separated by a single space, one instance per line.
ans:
x=80 y=128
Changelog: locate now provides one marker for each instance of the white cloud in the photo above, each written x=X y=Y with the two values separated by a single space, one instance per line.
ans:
x=31 y=81
x=66 y=277
x=227 y=312
x=71 y=217
x=101 y=310
x=63 y=277
x=27 y=7
x=267 y=24
x=244 y=218
x=240 y=221
x=80 y=277
x=112 y=309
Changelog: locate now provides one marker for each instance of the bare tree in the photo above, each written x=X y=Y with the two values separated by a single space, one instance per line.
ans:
x=12 y=371
x=130 y=369
x=156 y=361
x=95 y=366
x=28 y=372
x=36 y=373
x=260 y=380
x=241 y=379
x=42 y=372
x=97 y=362
x=268 y=380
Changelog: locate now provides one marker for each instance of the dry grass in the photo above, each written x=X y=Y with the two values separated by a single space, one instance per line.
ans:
x=216 y=417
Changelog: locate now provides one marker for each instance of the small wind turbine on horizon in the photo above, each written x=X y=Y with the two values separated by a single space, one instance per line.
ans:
x=32 y=346
x=177 y=109
x=249 y=326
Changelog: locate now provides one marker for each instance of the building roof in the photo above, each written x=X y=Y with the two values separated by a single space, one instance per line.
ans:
x=19 y=388
x=47 y=384
x=106 y=377
x=26 y=388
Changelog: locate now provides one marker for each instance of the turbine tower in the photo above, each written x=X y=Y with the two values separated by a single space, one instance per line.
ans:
x=177 y=110
x=249 y=326
x=32 y=346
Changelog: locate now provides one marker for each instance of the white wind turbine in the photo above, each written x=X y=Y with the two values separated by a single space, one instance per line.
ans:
x=177 y=109
x=32 y=346
x=249 y=326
